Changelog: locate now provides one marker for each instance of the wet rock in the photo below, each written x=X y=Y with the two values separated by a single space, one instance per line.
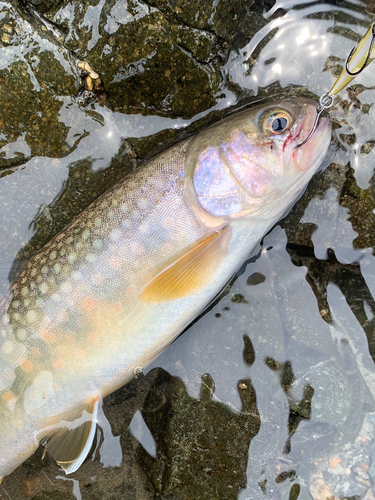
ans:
x=361 y=210
x=202 y=446
x=256 y=279
x=153 y=57
x=248 y=351
x=147 y=59
x=34 y=78
x=54 y=495
x=320 y=490
x=44 y=5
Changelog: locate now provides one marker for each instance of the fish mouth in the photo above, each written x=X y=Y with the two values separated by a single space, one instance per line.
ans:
x=320 y=142
x=306 y=155
x=315 y=150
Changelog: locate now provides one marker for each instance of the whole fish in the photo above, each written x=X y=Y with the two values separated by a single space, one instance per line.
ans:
x=125 y=277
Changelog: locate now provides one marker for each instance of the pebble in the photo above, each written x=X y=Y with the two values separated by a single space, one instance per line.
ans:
x=321 y=491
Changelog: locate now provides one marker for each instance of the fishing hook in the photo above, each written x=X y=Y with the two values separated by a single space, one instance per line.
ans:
x=355 y=73
x=325 y=102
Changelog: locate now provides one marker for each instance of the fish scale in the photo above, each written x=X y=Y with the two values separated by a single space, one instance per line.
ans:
x=72 y=267
x=127 y=275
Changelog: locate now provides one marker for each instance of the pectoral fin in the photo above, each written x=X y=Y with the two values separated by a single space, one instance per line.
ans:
x=191 y=272
x=68 y=438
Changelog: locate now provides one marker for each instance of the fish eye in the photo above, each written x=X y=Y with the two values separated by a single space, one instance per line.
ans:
x=276 y=122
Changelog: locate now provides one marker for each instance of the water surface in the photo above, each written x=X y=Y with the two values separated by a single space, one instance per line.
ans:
x=270 y=393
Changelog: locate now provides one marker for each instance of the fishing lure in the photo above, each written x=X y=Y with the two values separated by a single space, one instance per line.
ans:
x=358 y=59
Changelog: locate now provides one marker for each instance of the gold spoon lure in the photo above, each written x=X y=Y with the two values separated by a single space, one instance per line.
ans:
x=358 y=59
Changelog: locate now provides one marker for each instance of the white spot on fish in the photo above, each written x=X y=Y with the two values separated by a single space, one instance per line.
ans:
x=43 y=288
x=98 y=222
x=72 y=257
x=15 y=304
x=55 y=297
x=115 y=234
x=20 y=334
x=144 y=228
x=158 y=183
x=31 y=316
x=57 y=268
x=142 y=203
x=138 y=249
x=86 y=234
x=53 y=255
x=90 y=257
x=39 y=392
x=18 y=424
x=97 y=279
x=33 y=272
x=97 y=244
x=24 y=291
x=76 y=275
x=45 y=269
x=62 y=316
x=8 y=347
x=66 y=287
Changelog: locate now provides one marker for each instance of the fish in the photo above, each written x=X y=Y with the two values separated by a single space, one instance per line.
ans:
x=125 y=277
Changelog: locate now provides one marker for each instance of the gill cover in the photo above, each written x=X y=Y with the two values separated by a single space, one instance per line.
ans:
x=236 y=163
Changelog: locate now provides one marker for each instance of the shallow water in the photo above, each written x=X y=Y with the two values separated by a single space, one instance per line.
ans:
x=270 y=393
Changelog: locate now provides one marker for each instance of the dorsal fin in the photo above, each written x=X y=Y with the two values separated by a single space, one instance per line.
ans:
x=68 y=437
x=191 y=272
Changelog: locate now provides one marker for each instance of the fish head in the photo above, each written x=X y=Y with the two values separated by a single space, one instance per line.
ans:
x=249 y=163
